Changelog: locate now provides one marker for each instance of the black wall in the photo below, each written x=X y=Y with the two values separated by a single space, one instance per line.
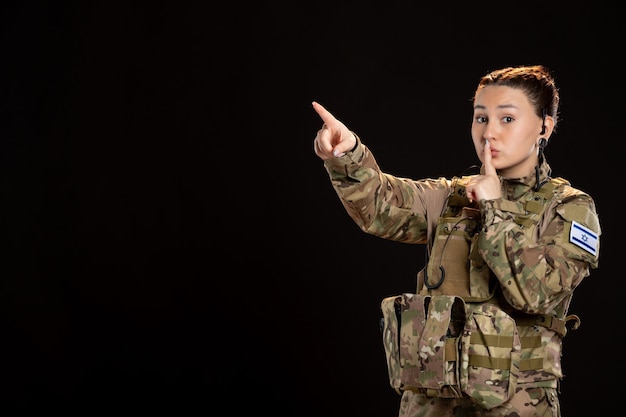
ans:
x=171 y=241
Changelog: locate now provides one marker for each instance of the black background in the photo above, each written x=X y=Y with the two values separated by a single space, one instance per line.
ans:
x=171 y=241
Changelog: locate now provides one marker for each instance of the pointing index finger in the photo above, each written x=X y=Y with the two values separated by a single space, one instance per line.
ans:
x=325 y=115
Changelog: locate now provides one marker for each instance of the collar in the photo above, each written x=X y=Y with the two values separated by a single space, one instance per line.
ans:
x=514 y=188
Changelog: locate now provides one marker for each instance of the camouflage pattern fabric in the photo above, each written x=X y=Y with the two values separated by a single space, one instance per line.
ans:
x=421 y=341
x=526 y=402
x=534 y=274
x=490 y=356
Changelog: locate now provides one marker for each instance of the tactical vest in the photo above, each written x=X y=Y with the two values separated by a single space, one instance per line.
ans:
x=445 y=341
x=451 y=268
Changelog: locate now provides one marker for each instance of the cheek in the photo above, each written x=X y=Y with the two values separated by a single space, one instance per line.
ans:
x=478 y=146
x=477 y=134
x=526 y=148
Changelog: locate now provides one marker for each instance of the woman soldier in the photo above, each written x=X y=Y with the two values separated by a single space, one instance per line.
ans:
x=507 y=246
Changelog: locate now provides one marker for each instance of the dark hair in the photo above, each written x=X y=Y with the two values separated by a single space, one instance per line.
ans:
x=534 y=80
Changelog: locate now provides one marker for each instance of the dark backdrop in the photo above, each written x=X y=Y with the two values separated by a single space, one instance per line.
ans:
x=171 y=241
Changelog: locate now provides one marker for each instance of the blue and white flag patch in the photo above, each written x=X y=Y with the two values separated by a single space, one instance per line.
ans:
x=583 y=237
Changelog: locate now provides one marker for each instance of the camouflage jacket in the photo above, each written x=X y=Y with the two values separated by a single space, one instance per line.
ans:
x=537 y=275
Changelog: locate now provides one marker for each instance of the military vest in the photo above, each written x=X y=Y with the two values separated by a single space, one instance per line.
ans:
x=454 y=266
x=445 y=341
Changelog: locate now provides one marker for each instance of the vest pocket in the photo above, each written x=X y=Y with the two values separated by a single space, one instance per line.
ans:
x=421 y=336
x=438 y=346
x=402 y=327
x=490 y=356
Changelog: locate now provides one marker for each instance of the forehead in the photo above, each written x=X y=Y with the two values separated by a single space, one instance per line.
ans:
x=500 y=96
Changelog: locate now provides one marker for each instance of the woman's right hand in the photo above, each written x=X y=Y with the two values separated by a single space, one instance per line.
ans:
x=334 y=139
x=486 y=186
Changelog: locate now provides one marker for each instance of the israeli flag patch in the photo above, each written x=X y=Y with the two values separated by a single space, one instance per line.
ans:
x=583 y=237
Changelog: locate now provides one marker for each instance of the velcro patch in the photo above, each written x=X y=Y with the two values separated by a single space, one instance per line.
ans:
x=584 y=238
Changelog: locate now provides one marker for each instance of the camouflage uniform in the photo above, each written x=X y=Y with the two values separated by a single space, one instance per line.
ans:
x=533 y=277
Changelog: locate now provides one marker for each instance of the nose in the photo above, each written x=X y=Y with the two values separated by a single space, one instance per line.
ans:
x=488 y=133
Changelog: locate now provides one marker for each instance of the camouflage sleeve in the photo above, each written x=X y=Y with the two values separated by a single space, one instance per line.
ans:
x=536 y=275
x=384 y=205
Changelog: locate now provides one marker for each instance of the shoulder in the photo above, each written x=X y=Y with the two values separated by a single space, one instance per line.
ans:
x=575 y=205
x=565 y=193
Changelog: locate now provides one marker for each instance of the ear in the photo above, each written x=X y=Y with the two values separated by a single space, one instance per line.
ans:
x=549 y=127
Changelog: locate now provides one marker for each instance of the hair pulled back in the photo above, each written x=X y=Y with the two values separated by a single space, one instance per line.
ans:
x=535 y=81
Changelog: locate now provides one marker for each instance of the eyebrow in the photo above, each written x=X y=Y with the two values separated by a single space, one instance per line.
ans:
x=502 y=106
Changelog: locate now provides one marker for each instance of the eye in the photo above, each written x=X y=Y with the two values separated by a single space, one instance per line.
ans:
x=480 y=119
x=507 y=119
